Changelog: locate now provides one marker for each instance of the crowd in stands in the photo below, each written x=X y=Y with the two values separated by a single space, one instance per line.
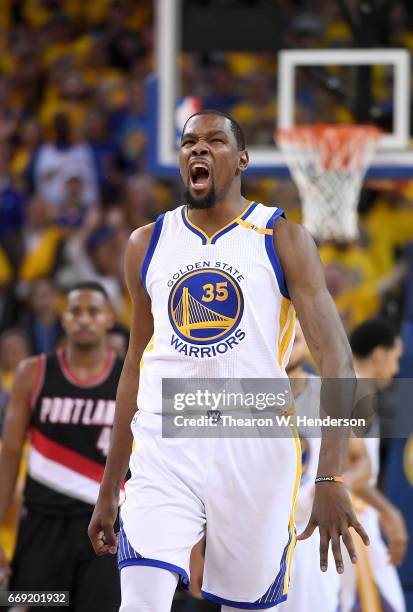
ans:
x=74 y=178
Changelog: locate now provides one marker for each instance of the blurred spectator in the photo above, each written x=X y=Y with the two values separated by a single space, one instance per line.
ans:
x=129 y=125
x=123 y=43
x=66 y=94
x=222 y=89
x=357 y=300
x=41 y=321
x=29 y=139
x=306 y=31
x=9 y=114
x=389 y=223
x=12 y=203
x=105 y=153
x=39 y=244
x=139 y=201
x=99 y=73
x=14 y=346
x=97 y=254
x=59 y=158
x=73 y=209
x=258 y=110
x=106 y=259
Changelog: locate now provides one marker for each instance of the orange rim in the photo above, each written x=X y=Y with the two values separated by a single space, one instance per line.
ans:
x=336 y=146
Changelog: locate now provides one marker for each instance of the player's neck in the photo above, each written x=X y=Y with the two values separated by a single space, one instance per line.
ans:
x=86 y=363
x=364 y=369
x=213 y=219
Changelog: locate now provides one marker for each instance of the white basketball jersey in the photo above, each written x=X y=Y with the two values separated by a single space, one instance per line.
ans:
x=220 y=304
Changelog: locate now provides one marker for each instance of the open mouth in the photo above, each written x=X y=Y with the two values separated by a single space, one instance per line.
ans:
x=199 y=175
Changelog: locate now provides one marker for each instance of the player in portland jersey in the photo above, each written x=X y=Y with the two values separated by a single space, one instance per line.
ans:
x=214 y=284
x=375 y=584
x=65 y=401
x=311 y=589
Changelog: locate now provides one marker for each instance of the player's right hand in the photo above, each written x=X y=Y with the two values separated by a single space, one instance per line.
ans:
x=100 y=530
x=5 y=569
x=333 y=514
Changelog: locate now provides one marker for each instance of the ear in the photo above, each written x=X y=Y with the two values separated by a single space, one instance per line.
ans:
x=63 y=320
x=244 y=160
x=377 y=355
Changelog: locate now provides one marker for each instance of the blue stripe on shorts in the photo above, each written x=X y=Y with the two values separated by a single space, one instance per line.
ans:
x=127 y=555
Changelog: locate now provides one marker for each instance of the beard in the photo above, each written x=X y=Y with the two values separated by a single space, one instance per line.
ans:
x=202 y=203
x=86 y=345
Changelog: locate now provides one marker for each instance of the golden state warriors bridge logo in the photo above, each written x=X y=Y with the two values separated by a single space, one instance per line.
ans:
x=205 y=308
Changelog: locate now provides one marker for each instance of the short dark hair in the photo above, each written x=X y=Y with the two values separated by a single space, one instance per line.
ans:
x=89 y=286
x=9 y=332
x=371 y=334
x=235 y=126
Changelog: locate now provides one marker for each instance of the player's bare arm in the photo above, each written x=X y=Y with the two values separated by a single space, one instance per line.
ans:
x=101 y=530
x=328 y=344
x=16 y=425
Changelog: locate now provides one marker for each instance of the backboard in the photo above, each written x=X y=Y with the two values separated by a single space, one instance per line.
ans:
x=394 y=158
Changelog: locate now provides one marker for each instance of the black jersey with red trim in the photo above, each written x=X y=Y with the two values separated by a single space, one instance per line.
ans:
x=71 y=425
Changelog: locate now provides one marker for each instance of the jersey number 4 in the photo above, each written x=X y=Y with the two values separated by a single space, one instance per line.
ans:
x=104 y=440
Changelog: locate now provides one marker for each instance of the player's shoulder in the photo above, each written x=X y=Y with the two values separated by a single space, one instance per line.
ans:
x=30 y=364
x=29 y=370
x=139 y=241
x=294 y=234
x=282 y=227
x=140 y=234
x=141 y=237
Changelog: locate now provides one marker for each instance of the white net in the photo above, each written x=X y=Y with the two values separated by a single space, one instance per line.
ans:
x=328 y=164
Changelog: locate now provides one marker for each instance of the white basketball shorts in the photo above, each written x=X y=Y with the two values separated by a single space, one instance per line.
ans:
x=242 y=492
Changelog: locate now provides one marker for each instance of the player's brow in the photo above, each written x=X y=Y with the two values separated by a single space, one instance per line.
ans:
x=207 y=134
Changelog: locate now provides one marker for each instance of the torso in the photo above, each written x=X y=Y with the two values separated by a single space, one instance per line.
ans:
x=70 y=429
x=220 y=305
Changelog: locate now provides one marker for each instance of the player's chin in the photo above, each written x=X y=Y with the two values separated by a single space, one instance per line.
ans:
x=200 y=198
x=85 y=340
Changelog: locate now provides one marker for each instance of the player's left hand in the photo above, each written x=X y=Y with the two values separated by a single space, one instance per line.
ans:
x=394 y=530
x=333 y=514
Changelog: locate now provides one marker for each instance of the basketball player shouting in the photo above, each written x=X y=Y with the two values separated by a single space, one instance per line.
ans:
x=214 y=283
x=66 y=400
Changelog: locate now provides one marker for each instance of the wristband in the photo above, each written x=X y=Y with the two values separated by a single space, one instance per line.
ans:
x=329 y=479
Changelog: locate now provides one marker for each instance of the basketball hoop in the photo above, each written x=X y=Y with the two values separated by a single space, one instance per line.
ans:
x=328 y=164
